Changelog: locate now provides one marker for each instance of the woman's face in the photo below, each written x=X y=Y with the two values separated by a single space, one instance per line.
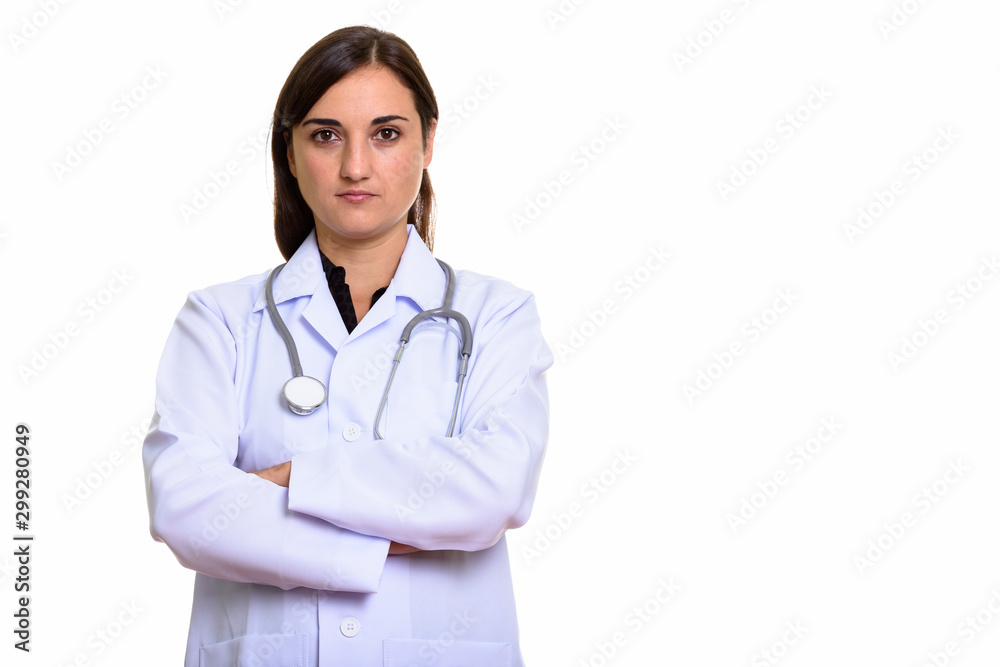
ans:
x=358 y=156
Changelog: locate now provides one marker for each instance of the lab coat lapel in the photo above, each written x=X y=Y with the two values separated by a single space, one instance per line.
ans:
x=321 y=313
x=302 y=276
x=323 y=316
x=418 y=276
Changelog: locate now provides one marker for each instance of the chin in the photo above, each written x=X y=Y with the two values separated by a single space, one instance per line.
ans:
x=359 y=229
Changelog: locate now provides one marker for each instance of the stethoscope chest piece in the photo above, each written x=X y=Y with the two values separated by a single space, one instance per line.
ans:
x=304 y=394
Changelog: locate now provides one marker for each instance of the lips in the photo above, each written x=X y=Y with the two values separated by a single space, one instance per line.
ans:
x=355 y=196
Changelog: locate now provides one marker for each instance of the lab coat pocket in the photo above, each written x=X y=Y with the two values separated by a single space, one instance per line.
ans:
x=442 y=653
x=416 y=409
x=266 y=650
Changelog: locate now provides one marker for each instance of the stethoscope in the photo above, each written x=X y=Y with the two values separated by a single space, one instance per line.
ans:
x=304 y=393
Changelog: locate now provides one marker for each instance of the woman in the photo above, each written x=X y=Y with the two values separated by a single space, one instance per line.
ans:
x=315 y=542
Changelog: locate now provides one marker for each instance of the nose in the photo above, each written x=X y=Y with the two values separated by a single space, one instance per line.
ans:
x=357 y=160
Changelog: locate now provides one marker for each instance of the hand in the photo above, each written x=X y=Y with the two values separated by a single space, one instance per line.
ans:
x=397 y=549
x=278 y=474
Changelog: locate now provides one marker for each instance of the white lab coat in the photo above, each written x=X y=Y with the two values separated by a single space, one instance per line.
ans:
x=300 y=576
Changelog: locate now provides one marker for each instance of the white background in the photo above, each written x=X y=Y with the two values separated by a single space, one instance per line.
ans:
x=673 y=131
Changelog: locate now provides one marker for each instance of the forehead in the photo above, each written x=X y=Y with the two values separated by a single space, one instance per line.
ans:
x=365 y=94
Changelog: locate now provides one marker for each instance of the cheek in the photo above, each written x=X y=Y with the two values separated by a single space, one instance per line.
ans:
x=315 y=170
x=405 y=170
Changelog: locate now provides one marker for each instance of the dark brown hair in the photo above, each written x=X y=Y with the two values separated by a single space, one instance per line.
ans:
x=326 y=62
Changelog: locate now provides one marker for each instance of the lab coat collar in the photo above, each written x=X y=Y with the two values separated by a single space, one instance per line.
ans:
x=418 y=277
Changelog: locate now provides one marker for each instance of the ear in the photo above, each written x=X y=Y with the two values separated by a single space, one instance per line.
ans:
x=290 y=153
x=429 y=152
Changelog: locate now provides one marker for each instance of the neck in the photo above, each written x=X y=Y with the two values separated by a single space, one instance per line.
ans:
x=368 y=263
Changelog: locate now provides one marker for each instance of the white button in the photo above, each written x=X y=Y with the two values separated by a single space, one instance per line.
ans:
x=349 y=627
x=352 y=432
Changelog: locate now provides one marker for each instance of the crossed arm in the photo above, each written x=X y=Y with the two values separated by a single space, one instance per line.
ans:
x=280 y=475
x=295 y=531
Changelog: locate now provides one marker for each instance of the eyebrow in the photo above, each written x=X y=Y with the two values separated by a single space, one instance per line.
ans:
x=336 y=123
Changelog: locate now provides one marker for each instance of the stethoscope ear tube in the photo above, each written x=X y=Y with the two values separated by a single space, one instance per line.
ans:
x=458 y=393
x=388 y=383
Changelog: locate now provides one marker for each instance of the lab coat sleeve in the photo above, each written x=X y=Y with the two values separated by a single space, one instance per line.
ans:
x=437 y=492
x=216 y=518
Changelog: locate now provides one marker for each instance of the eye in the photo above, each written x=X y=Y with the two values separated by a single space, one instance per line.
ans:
x=387 y=134
x=324 y=136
